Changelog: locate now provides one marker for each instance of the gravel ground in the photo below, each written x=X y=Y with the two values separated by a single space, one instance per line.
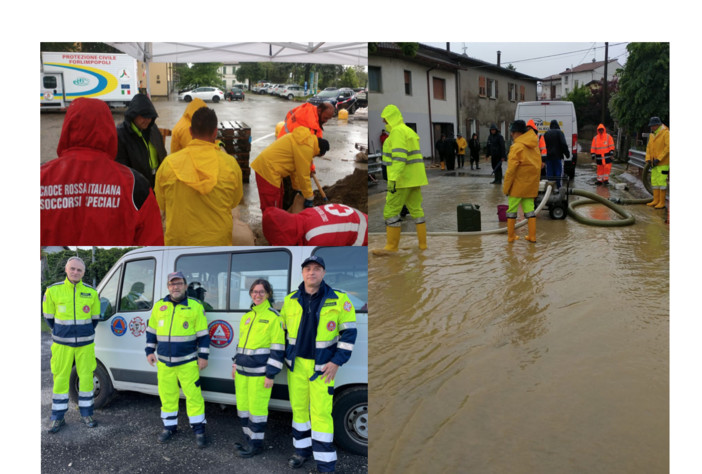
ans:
x=128 y=426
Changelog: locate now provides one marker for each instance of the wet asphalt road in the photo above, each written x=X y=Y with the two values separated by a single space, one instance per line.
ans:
x=125 y=439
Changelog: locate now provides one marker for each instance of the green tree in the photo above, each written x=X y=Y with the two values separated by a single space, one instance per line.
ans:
x=198 y=74
x=78 y=48
x=644 y=87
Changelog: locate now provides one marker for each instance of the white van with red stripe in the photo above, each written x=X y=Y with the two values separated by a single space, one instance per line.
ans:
x=220 y=278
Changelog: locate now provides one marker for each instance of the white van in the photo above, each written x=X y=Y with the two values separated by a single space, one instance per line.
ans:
x=220 y=277
x=542 y=112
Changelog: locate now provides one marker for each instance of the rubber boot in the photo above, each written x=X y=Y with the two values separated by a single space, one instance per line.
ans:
x=443 y=165
x=531 y=224
x=511 y=234
x=393 y=238
x=661 y=199
x=422 y=235
x=656 y=195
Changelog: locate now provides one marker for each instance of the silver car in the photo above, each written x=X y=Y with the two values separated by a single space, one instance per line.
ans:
x=205 y=93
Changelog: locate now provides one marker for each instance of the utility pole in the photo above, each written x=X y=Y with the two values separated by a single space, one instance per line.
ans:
x=604 y=89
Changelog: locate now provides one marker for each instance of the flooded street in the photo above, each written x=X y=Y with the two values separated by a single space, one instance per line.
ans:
x=261 y=113
x=491 y=357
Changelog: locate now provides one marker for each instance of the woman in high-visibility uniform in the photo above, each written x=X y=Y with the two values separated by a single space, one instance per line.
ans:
x=259 y=357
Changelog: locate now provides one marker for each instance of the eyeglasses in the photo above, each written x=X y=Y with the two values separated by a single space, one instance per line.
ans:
x=258 y=292
x=179 y=283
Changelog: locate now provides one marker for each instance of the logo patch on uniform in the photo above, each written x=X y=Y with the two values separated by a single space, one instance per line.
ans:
x=347 y=306
x=137 y=326
x=185 y=325
x=331 y=325
x=248 y=321
x=86 y=309
x=163 y=308
x=221 y=333
x=118 y=326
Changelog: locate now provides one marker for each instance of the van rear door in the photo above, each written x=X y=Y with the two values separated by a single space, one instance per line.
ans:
x=52 y=91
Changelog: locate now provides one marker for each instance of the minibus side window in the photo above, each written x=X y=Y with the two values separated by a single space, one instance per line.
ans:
x=206 y=276
x=273 y=266
x=108 y=296
x=138 y=286
x=347 y=270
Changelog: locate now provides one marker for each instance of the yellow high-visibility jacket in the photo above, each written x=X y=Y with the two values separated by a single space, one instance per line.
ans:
x=180 y=136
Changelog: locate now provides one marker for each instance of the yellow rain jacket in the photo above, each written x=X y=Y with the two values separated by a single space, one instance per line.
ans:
x=290 y=155
x=180 y=137
x=523 y=167
x=462 y=145
x=197 y=188
x=659 y=146
x=401 y=151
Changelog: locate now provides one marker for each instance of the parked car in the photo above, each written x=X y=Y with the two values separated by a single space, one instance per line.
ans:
x=343 y=98
x=291 y=91
x=261 y=87
x=236 y=93
x=205 y=93
x=275 y=90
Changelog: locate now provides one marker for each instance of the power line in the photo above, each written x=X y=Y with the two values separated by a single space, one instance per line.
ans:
x=561 y=54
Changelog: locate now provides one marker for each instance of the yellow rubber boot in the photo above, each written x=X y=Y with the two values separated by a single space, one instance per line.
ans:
x=661 y=199
x=422 y=235
x=511 y=234
x=656 y=194
x=531 y=224
x=393 y=238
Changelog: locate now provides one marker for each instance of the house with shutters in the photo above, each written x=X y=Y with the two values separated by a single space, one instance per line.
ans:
x=559 y=85
x=441 y=92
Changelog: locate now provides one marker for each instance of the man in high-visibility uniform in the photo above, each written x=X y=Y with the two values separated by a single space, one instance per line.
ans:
x=321 y=325
x=406 y=175
x=658 y=153
x=310 y=116
x=258 y=359
x=602 y=151
x=178 y=342
x=72 y=310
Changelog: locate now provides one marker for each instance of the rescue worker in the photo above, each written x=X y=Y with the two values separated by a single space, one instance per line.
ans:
x=258 y=359
x=178 y=342
x=181 y=132
x=522 y=179
x=658 y=154
x=462 y=144
x=556 y=149
x=139 y=139
x=72 y=311
x=321 y=332
x=86 y=197
x=495 y=150
x=542 y=146
x=334 y=225
x=602 y=151
x=290 y=155
x=406 y=175
x=313 y=117
x=198 y=186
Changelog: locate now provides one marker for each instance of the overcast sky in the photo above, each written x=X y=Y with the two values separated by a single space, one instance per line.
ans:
x=539 y=59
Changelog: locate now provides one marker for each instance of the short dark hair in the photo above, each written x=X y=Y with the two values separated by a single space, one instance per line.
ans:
x=204 y=121
x=266 y=286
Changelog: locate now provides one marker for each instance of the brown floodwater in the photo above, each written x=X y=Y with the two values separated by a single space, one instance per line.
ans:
x=489 y=357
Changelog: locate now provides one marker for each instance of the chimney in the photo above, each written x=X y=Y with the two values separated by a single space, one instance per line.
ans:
x=499 y=53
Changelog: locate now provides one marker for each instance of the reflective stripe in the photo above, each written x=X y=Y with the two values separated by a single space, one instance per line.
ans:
x=178 y=359
x=197 y=419
x=420 y=220
x=277 y=347
x=323 y=437
x=319 y=368
x=249 y=370
x=292 y=340
x=73 y=339
x=253 y=351
x=529 y=215
x=150 y=329
x=204 y=350
x=60 y=396
x=302 y=443
x=59 y=406
x=85 y=394
x=153 y=346
x=251 y=434
x=175 y=338
x=324 y=456
x=70 y=322
x=345 y=345
x=85 y=403
x=48 y=316
x=275 y=363
x=204 y=332
x=242 y=414
x=350 y=325
x=259 y=418
x=325 y=344
x=302 y=426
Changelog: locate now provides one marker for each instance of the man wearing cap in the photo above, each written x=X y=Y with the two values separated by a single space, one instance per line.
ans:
x=71 y=310
x=321 y=325
x=290 y=155
x=178 y=342
x=658 y=154
x=522 y=178
x=140 y=143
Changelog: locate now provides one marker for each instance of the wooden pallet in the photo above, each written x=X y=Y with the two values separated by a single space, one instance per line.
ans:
x=236 y=137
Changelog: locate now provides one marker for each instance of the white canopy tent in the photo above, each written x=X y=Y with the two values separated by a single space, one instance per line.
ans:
x=351 y=54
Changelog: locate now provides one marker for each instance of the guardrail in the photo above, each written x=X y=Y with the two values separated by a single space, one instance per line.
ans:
x=637 y=158
x=374 y=165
